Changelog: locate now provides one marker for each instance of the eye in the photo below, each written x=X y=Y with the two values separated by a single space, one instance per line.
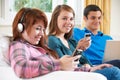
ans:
x=64 y=18
x=99 y=17
x=71 y=19
x=40 y=28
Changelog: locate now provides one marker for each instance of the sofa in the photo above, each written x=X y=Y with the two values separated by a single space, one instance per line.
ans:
x=7 y=73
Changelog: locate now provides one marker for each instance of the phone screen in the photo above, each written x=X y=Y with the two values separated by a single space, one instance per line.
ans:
x=87 y=34
x=77 y=52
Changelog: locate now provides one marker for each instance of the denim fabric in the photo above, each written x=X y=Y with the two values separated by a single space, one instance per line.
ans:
x=112 y=73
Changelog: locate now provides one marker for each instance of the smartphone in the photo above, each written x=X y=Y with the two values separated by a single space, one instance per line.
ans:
x=88 y=36
x=77 y=52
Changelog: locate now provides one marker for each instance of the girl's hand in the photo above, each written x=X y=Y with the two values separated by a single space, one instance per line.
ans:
x=100 y=67
x=84 y=43
x=87 y=66
x=68 y=62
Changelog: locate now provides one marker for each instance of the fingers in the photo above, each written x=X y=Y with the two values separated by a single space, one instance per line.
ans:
x=87 y=65
x=76 y=58
x=106 y=65
x=68 y=62
x=84 y=43
x=75 y=64
x=87 y=38
x=100 y=67
x=75 y=61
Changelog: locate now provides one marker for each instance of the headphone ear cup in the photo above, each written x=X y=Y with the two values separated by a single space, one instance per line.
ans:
x=20 y=27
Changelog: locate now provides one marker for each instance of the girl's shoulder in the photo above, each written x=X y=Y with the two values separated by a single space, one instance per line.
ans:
x=53 y=38
x=17 y=44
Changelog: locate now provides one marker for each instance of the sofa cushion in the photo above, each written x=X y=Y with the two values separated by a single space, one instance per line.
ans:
x=4 y=45
x=7 y=73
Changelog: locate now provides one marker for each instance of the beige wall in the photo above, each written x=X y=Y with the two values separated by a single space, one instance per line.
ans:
x=115 y=17
x=5 y=30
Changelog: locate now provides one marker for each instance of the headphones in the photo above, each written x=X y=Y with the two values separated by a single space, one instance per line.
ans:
x=20 y=25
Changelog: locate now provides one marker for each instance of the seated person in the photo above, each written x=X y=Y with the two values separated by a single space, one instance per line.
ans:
x=28 y=53
x=95 y=53
x=60 y=40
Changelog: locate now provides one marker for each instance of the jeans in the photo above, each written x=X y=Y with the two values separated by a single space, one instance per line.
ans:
x=111 y=73
x=114 y=62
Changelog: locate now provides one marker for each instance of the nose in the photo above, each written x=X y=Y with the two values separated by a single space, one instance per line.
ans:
x=69 y=22
x=41 y=32
x=98 y=20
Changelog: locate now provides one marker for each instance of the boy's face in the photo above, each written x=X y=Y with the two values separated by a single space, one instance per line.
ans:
x=93 y=20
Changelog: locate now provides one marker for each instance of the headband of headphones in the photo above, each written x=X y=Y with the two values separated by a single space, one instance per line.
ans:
x=20 y=24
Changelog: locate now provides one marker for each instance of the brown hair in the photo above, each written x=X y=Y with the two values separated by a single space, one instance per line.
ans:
x=31 y=17
x=53 y=27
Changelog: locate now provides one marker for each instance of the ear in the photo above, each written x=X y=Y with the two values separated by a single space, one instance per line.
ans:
x=85 y=18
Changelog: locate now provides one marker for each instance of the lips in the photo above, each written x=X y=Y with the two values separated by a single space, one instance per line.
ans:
x=38 y=38
x=68 y=28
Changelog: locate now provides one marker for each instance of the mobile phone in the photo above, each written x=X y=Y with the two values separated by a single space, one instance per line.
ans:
x=77 y=52
x=88 y=36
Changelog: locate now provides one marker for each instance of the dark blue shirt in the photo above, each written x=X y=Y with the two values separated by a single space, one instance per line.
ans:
x=95 y=53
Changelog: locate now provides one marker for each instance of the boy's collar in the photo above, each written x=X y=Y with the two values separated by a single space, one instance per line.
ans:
x=88 y=31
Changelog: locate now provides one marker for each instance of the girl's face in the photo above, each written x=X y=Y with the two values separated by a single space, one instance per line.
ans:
x=65 y=21
x=37 y=31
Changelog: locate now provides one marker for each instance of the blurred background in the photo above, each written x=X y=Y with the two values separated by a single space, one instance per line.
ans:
x=110 y=8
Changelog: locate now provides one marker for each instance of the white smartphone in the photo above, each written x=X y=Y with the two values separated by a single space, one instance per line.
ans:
x=88 y=36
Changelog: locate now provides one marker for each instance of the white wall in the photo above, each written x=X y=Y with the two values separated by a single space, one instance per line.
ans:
x=115 y=17
x=5 y=30
x=0 y=8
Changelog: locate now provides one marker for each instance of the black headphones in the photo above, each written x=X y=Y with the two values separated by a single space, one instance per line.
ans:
x=21 y=27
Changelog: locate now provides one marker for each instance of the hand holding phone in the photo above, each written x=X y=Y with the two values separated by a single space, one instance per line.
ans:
x=88 y=37
x=77 y=52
